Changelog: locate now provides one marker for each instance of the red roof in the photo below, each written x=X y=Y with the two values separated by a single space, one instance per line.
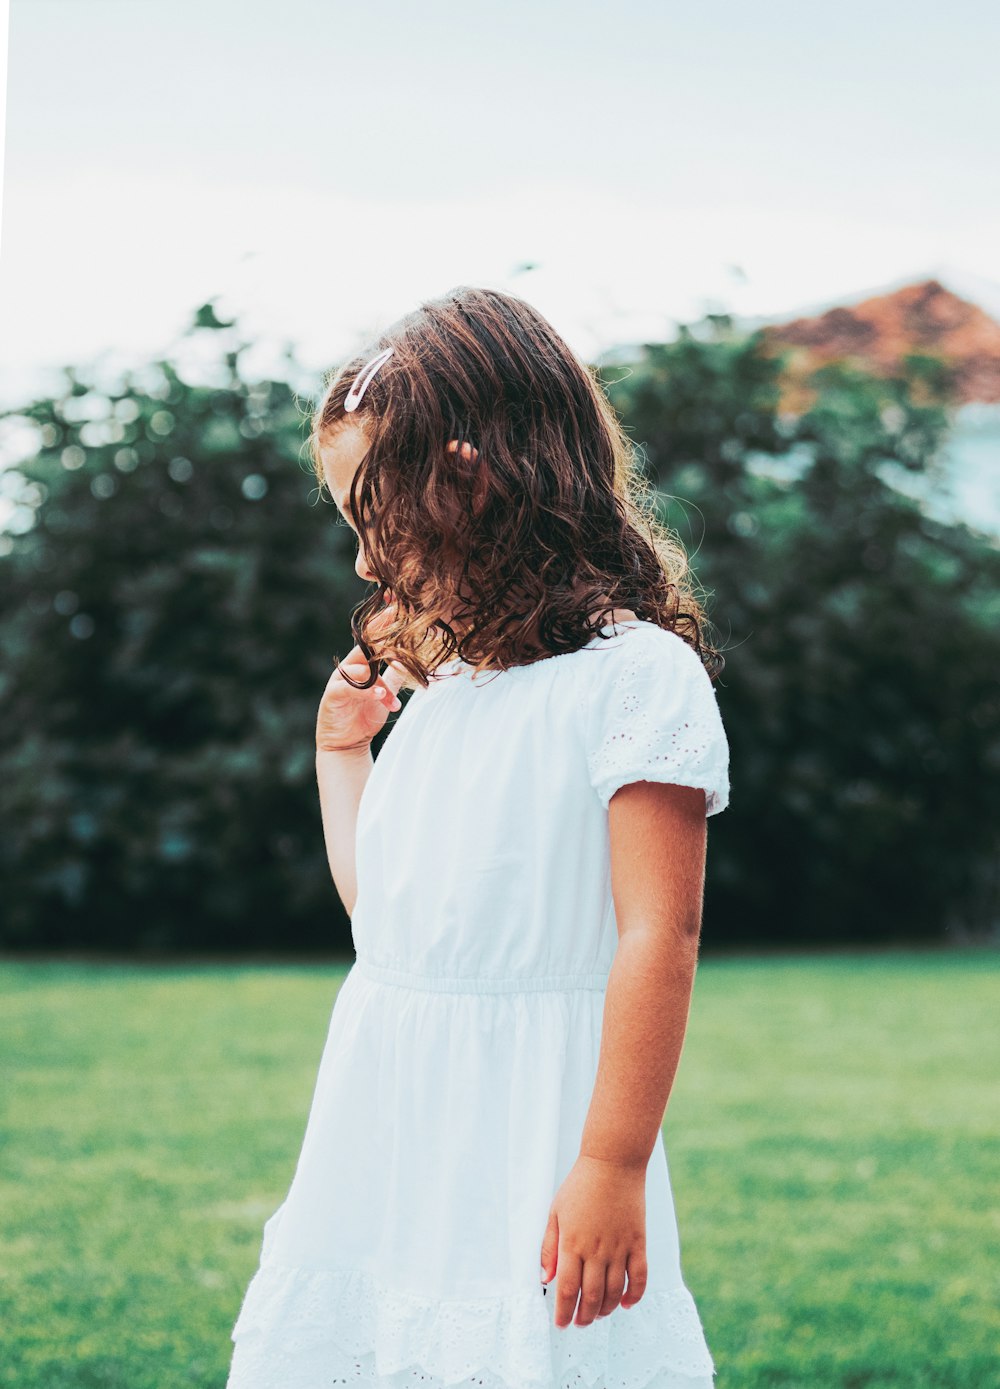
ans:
x=878 y=332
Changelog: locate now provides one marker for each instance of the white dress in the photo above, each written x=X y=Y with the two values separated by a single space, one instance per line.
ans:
x=463 y=1044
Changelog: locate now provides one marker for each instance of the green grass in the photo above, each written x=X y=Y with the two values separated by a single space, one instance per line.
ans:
x=832 y=1140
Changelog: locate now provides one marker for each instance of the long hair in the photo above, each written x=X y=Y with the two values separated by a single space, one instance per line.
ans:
x=520 y=546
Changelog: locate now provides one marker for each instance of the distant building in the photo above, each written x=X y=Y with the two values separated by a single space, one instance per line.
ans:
x=950 y=315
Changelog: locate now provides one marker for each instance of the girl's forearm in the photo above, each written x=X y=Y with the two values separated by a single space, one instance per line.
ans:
x=341 y=777
x=646 y=1010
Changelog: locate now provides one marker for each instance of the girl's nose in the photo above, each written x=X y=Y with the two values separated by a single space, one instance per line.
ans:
x=362 y=570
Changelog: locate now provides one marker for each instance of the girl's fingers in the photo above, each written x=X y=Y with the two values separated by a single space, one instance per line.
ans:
x=567 y=1286
x=614 y=1289
x=638 y=1272
x=383 y=690
x=388 y=697
x=592 y=1289
x=390 y=679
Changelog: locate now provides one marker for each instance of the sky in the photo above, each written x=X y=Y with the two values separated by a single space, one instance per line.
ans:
x=320 y=167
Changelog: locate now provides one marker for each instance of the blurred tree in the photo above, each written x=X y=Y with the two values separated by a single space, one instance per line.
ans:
x=169 y=622
x=862 y=688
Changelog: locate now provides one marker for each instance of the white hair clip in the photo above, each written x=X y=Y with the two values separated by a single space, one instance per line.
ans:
x=363 y=380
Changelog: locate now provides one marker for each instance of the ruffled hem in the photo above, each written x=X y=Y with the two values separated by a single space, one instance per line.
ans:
x=305 y=1329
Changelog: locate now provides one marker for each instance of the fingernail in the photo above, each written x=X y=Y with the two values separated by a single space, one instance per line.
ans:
x=545 y=1276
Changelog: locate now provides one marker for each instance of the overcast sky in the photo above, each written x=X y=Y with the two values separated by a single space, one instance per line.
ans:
x=322 y=166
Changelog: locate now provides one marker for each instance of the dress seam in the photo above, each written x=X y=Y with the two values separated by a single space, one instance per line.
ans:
x=480 y=984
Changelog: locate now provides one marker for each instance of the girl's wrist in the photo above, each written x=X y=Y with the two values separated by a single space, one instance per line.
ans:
x=628 y=1164
x=356 y=752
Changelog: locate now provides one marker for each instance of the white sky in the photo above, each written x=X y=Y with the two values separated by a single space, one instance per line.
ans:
x=323 y=165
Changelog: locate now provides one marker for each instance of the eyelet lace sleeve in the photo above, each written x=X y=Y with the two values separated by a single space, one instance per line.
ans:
x=651 y=714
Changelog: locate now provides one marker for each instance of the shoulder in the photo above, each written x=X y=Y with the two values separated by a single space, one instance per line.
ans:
x=643 y=648
x=640 y=667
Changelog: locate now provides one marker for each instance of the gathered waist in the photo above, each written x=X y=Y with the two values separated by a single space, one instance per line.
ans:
x=479 y=984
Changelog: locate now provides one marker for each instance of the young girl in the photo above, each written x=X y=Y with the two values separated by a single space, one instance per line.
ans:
x=482 y=1196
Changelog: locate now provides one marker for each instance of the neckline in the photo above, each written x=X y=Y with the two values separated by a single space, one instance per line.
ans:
x=464 y=669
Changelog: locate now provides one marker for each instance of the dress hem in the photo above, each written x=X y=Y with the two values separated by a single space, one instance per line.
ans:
x=306 y=1328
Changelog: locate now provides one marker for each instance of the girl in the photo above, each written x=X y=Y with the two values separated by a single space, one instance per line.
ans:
x=523 y=866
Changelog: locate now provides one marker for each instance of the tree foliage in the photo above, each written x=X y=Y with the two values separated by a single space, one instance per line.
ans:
x=169 y=621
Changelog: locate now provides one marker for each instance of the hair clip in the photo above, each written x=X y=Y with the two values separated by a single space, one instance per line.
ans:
x=363 y=380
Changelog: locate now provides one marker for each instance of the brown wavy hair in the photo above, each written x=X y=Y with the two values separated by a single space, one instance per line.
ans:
x=523 y=549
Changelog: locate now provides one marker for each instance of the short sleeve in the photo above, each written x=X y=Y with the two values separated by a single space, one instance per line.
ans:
x=650 y=714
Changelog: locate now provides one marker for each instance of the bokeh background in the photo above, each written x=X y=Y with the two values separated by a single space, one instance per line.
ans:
x=776 y=232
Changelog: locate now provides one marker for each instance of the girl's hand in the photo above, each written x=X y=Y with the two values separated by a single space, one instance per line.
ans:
x=348 y=719
x=596 y=1234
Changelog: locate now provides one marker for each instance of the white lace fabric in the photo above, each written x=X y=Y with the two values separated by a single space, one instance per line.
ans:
x=301 y=1329
x=651 y=714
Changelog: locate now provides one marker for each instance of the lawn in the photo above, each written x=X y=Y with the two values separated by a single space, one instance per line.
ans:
x=832 y=1140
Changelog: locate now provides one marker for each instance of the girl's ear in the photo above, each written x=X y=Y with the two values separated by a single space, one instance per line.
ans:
x=479 y=478
x=480 y=481
x=469 y=453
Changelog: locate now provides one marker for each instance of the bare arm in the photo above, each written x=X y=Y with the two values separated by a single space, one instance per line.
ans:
x=596 y=1233
x=346 y=722
x=341 y=777
x=658 y=848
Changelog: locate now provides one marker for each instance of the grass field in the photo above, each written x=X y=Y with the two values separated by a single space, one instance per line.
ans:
x=832 y=1141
